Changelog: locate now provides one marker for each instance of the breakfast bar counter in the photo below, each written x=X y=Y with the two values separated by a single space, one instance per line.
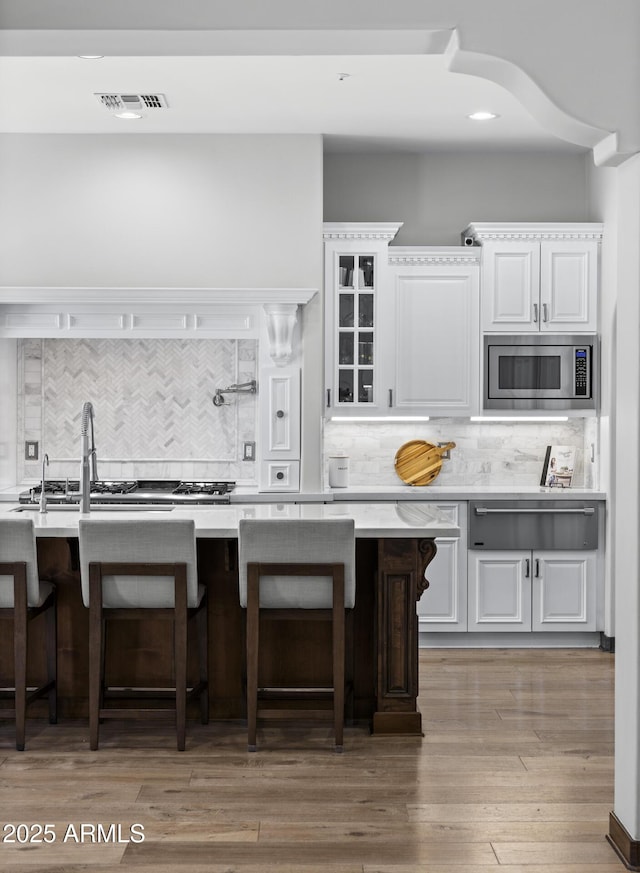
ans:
x=394 y=545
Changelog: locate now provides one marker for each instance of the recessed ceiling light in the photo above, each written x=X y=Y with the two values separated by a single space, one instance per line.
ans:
x=482 y=116
x=91 y=57
x=127 y=114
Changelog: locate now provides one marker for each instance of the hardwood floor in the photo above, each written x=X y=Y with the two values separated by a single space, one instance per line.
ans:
x=514 y=775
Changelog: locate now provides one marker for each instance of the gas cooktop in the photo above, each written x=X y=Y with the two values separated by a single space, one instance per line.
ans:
x=171 y=491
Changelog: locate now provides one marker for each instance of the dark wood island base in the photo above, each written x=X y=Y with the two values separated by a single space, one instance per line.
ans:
x=384 y=629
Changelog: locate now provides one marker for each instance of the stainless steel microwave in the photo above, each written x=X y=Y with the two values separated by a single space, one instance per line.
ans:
x=556 y=372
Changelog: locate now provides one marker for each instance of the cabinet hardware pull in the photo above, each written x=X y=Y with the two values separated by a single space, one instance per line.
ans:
x=390 y=397
x=584 y=510
x=280 y=414
x=328 y=396
x=537 y=568
x=535 y=313
x=545 y=312
x=527 y=567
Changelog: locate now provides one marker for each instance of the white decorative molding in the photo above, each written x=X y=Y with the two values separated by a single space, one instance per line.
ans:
x=281 y=322
x=423 y=255
x=535 y=231
x=348 y=230
x=147 y=312
x=184 y=297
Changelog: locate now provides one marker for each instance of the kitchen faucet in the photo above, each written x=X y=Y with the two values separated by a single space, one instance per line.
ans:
x=43 y=496
x=89 y=463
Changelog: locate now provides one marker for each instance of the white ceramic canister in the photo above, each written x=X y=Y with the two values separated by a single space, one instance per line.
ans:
x=338 y=471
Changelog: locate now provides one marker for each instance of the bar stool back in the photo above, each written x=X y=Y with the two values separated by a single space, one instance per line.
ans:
x=291 y=565
x=136 y=570
x=23 y=597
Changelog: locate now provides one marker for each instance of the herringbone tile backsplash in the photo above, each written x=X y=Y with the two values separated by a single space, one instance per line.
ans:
x=152 y=404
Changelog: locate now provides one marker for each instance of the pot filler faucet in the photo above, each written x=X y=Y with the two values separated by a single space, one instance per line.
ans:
x=89 y=463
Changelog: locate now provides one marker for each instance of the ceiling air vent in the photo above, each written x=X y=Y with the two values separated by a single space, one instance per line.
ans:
x=132 y=102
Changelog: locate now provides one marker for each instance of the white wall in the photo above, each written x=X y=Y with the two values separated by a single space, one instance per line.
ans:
x=625 y=498
x=437 y=194
x=168 y=211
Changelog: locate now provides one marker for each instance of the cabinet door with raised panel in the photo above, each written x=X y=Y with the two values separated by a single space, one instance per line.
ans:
x=568 y=286
x=443 y=606
x=563 y=591
x=435 y=342
x=499 y=591
x=280 y=413
x=511 y=287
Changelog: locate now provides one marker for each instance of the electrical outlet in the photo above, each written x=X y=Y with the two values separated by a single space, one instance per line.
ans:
x=249 y=451
x=31 y=450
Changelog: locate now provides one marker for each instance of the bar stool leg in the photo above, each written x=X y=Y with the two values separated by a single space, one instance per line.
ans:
x=253 y=641
x=20 y=654
x=96 y=654
x=180 y=655
x=338 y=655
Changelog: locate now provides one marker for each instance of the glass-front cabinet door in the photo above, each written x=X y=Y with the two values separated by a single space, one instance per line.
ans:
x=355 y=264
x=356 y=328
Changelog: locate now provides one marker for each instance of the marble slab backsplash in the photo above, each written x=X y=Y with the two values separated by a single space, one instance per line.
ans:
x=152 y=399
x=492 y=453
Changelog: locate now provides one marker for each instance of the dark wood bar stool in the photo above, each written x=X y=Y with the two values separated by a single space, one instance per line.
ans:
x=23 y=597
x=293 y=569
x=142 y=570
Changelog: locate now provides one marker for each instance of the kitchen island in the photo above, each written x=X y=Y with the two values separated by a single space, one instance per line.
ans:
x=393 y=549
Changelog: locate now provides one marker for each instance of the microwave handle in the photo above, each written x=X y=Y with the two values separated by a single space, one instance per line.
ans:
x=535 y=313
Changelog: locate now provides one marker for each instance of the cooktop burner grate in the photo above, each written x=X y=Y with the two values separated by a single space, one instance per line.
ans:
x=57 y=486
x=102 y=487
x=204 y=488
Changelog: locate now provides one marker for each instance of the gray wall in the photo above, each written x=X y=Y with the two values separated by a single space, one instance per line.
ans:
x=160 y=210
x=437 y=194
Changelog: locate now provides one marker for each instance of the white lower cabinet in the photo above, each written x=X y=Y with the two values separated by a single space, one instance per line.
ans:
x=443 y=606
x=531 y=591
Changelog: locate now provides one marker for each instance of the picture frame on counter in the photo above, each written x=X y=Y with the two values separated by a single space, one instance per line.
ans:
x=558 y=467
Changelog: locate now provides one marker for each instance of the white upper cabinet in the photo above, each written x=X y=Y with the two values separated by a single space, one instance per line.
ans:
x=433 y=330
x=539 y=277
x=402 y=328
x=356 y=282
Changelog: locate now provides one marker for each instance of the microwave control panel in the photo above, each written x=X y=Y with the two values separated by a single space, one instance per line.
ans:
x=581 y=371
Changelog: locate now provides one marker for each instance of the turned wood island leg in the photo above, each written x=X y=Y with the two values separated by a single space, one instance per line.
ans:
x=401 y=582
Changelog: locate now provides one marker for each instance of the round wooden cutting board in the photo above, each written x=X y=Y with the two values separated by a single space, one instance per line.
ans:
x=418 y=462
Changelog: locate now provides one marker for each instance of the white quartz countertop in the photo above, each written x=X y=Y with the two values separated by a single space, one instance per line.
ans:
x=379 y=520
x=245 y=494
x=461 y=492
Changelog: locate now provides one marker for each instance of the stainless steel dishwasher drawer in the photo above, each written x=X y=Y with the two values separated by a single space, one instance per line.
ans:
x=533 y=524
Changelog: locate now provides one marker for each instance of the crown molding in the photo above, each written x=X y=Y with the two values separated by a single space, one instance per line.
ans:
x=424 y=255
x=236 y=297
x=372 y=230
x=484 y=231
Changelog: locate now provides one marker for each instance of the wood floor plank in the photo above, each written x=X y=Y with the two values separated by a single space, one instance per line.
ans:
x=528 y=812
x=554 y=853
x=183 y=855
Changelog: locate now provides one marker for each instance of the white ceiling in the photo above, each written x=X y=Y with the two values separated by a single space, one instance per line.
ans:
x=406 y=101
